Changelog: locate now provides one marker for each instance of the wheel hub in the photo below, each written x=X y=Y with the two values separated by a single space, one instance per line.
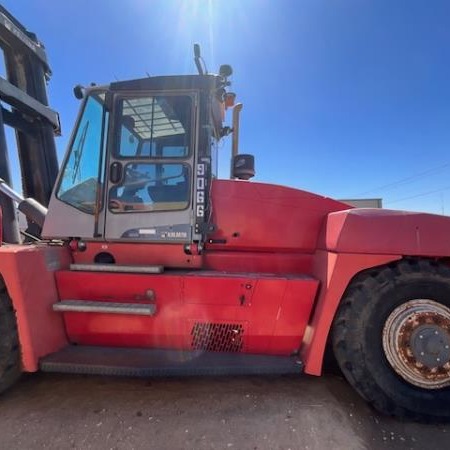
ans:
x=430 y=345
x=416 y=341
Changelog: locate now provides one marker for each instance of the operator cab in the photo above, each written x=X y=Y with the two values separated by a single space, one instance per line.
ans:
x=138 y=166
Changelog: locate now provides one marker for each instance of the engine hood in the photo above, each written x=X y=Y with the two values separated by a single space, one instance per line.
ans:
x=252 y=216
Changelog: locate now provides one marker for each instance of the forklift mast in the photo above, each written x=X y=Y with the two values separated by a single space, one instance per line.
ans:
x=25 y=108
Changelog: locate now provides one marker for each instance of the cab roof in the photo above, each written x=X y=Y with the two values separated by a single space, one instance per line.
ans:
x=171 y=82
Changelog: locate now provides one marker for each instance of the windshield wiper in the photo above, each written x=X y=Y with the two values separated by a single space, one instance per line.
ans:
x=79 y=152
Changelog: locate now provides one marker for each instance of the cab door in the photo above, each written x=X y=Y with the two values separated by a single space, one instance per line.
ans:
x=148 y=195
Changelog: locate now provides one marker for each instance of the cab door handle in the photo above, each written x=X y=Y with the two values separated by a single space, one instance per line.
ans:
x=115 y=172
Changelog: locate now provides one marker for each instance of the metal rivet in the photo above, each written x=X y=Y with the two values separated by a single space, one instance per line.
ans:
x=422 y=353
x=420 y=336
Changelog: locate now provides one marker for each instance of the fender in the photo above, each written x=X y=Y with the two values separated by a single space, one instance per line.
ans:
x=384 y=231
x=358 y=239
x=335 y=271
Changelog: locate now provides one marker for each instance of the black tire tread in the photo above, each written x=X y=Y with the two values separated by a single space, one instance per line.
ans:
x=10 y=358
x=349 y=352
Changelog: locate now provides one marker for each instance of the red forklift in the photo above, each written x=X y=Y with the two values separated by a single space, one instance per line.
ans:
x=139 y=261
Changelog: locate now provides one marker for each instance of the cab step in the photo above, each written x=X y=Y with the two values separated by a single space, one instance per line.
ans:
x=164 y=363
x=115 y=268
x=87 y=306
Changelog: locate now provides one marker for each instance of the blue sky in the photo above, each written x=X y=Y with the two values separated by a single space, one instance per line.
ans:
x=347 y=98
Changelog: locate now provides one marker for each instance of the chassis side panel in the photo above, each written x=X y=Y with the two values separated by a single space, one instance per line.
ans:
x=267 y=313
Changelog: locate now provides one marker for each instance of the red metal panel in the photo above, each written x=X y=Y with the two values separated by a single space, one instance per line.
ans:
x=273 y=310
x=335 y=272
x=139 y=253
x=276 y=308
x=258 y=262
x=293 y=314
x=173 y=255
x=212 y=288
x=252 y=298
x=380 y=231
x=164 y=330
x=264 y=217
x=28 y=272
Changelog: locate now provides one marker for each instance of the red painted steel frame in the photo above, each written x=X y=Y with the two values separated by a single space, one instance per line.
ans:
x=261 y=269
x=28 y=274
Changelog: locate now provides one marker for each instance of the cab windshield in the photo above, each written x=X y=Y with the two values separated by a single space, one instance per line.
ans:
x=80 y=181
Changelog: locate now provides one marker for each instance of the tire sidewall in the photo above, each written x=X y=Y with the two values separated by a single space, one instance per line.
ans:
x=10 y=362
x=434 y=402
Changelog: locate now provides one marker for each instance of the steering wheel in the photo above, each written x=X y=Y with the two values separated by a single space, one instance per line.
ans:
x=135 y=180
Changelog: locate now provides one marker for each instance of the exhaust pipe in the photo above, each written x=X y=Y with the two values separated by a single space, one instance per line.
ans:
x=235 y=138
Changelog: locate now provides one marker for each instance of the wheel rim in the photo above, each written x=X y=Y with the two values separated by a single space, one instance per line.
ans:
x=416 y=341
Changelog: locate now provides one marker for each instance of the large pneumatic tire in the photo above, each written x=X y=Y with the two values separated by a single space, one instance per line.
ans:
x=391 y=338
x=10 y=364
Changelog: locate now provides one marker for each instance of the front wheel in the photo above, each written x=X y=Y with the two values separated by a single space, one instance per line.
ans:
x=391 y=338
x=10 y=366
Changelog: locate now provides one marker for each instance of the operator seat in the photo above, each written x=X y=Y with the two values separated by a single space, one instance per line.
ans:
x=178 y=192
x=168 y=193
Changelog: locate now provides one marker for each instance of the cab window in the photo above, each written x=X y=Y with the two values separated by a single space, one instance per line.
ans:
x=151 y=187
x=79 y=181
x=155 y=127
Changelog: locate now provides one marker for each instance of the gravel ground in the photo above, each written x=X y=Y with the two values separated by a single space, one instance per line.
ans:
x=77 y=412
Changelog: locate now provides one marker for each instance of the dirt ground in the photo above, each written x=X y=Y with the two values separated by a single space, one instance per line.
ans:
x=80 y=412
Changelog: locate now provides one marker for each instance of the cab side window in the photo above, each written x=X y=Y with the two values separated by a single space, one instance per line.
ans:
x=151 y=187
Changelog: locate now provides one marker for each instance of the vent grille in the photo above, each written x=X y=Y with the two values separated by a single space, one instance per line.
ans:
x=217 y=337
